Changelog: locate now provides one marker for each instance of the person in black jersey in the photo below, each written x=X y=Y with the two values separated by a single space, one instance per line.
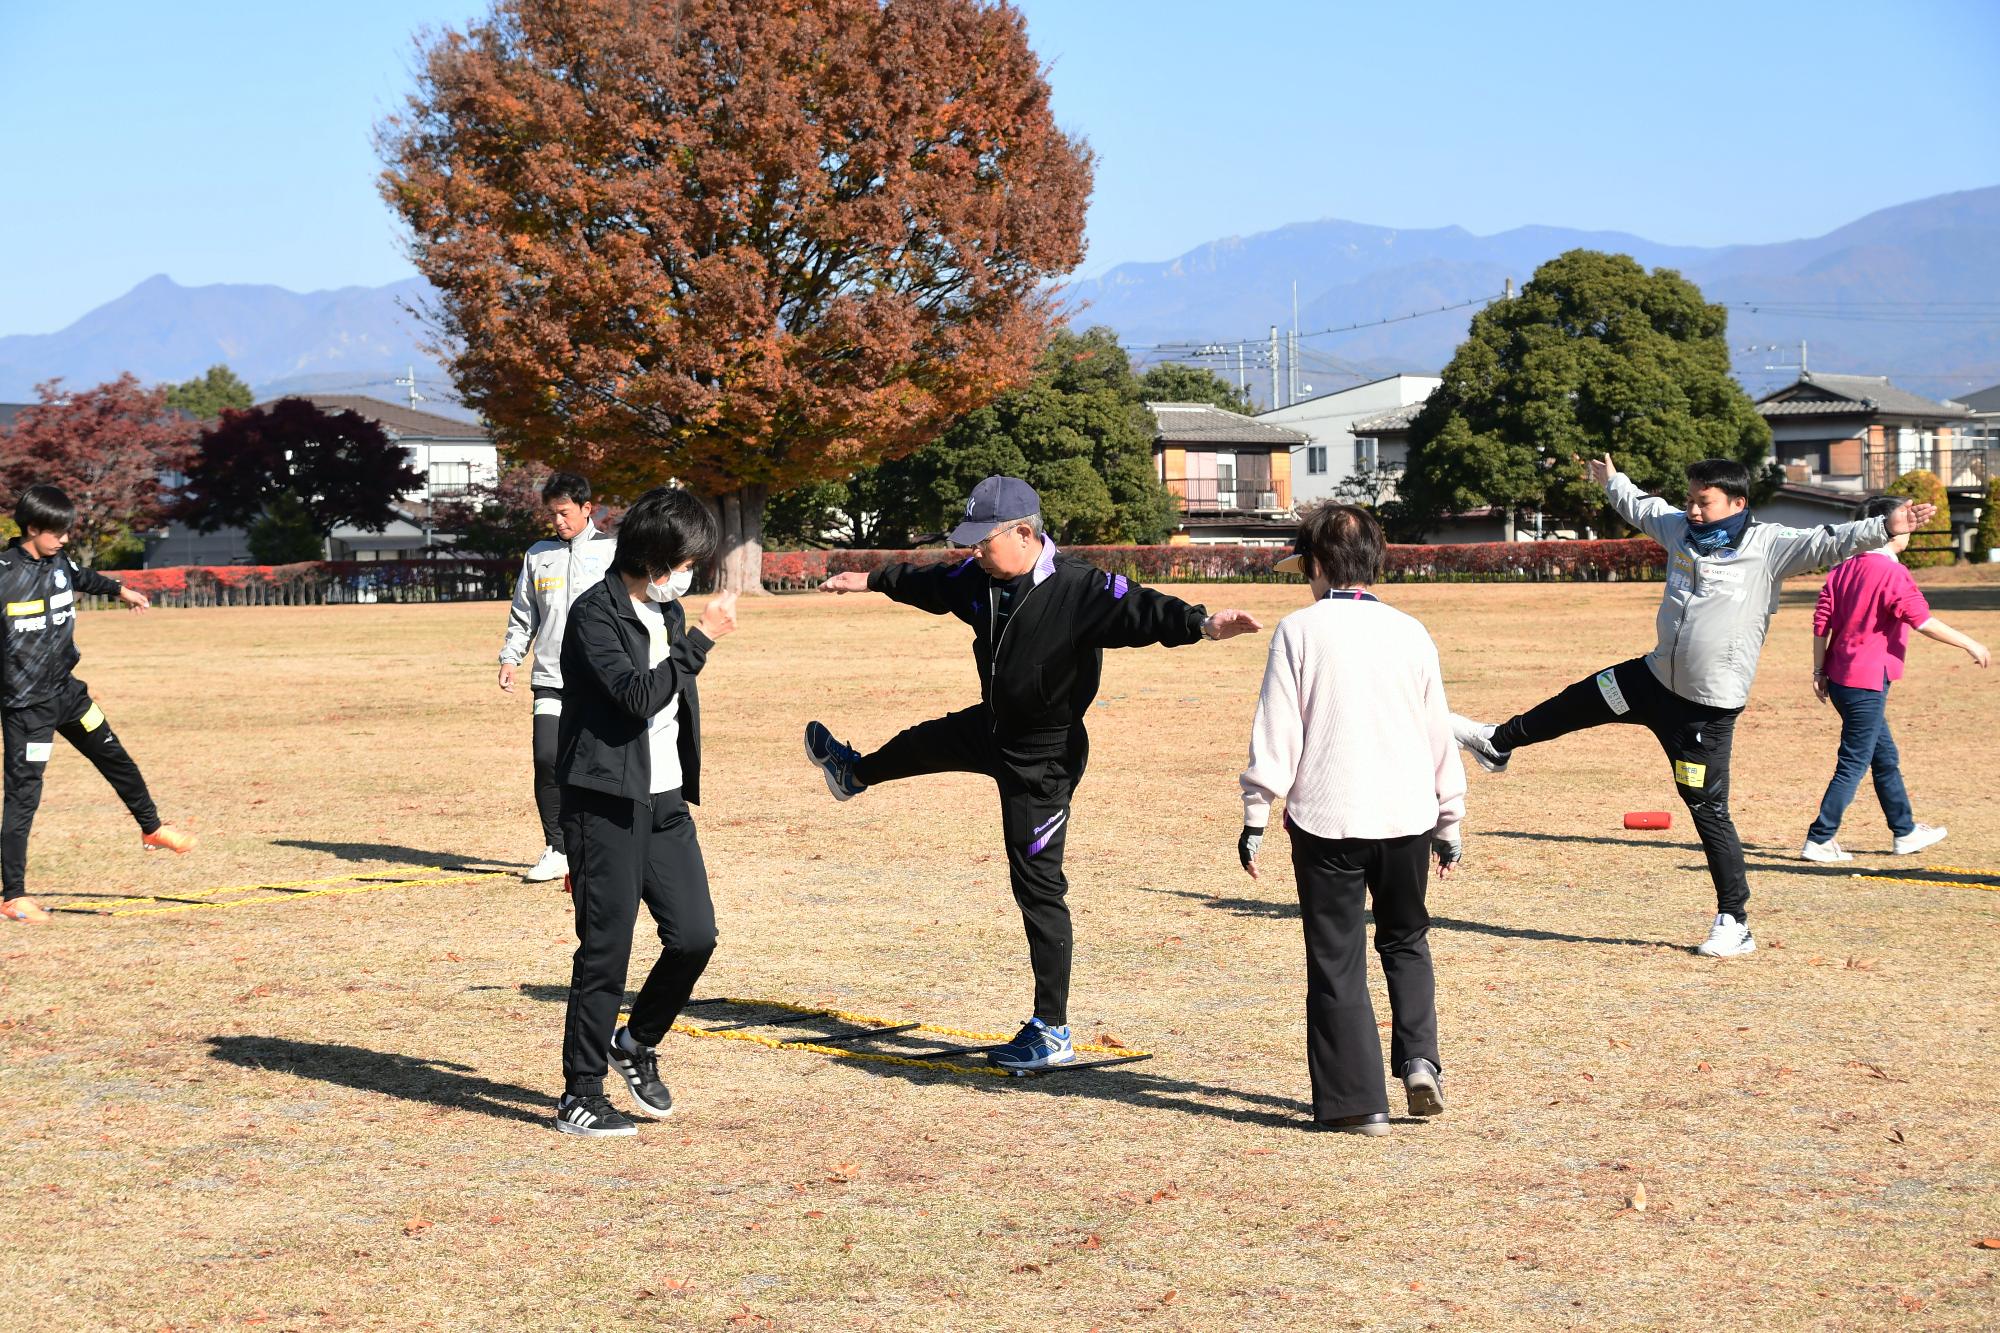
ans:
x=40 y=696
x=1040 y=623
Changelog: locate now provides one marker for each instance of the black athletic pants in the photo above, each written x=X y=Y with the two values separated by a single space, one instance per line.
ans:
x=623 y=852
x=1336 y=878
x=29 y=737
x=548 y=788
x=1034 y=820
x=1695 y=736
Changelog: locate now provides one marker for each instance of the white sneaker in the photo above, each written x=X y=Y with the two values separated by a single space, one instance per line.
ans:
x=1727 y=938
x=553 y=865
x=1477 y=738
x=1824 y=851
x=1920 y=837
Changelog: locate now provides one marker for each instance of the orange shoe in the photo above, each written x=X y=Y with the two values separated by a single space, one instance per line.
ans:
x=24 y=909
x=168 y=838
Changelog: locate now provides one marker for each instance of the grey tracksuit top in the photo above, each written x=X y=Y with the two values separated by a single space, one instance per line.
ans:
x=553 y=575
x=1717 y=607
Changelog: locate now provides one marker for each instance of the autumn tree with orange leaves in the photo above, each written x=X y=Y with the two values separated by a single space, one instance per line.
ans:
x=742 y=244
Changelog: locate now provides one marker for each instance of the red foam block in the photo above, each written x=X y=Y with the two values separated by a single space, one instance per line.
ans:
x=1648 y=819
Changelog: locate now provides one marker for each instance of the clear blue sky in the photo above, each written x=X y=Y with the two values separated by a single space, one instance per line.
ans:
x=228 y=140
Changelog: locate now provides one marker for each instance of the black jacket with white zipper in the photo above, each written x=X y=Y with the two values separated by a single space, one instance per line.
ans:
x=39 y=653
x=610 y=694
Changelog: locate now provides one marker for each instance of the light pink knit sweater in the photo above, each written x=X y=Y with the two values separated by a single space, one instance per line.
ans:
x=1352 y=729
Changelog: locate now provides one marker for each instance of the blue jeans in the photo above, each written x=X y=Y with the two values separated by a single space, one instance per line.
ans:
x=1865 y=746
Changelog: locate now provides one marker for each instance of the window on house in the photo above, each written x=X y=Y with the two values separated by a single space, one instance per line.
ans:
x=450 y=478
x=1316 y=460
x=1366 y=450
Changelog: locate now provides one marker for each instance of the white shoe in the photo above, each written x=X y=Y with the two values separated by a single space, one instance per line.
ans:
x=1727 y=938
x=1477 y=738
x=553 y=865
x=1920 y=837
x=1824 y=851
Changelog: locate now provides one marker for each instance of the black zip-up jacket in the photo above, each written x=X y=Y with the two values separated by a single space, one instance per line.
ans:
x=39 y=651
x=609 y=694
x=1038 y=675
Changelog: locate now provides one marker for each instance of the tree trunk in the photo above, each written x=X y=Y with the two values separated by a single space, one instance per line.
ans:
x=740 y=568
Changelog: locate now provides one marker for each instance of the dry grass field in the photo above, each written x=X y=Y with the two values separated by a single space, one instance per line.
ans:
x=301 y=1078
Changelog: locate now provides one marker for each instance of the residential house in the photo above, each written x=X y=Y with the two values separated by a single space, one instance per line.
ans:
x=1333 y=449
x=1840 y=438
x=1386 y=436
x=451 y=455
x=1232 y=474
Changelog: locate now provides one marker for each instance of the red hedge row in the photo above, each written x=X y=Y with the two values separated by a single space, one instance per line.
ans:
x=1638 y=558
x=318 y=582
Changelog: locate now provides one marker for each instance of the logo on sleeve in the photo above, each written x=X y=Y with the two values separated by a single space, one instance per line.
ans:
x=62 y=579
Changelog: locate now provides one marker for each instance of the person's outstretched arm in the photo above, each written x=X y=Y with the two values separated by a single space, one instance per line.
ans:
x=524 y=617
x=1934 y=628
x=1800 y=549
x=926 y=587
x=1648 y=513
x=1115 y=612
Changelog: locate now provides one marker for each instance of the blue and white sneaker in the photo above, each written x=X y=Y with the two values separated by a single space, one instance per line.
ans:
x=835 y=760
x=1035 y=1046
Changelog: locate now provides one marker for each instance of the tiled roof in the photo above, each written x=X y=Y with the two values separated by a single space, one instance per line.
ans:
x=397 y=419
x=1201 y=423
x=1388 y=422
x=8 y=411
x=1983 y=400
x=1815 y=394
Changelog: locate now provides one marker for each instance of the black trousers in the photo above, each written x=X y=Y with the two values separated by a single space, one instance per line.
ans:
x=1336 y=878
x=1696 y=737
x=548 y=788
x=1034 y=821
x=29 y=735
x=622 y=853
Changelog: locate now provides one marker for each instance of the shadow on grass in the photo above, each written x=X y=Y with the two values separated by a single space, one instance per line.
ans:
x=1596 y=839
x=388 y=851
x=1289 y=911
x=434 y=1082
x=1947 y=597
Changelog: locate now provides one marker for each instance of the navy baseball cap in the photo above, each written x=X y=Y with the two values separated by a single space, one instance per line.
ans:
x=995 y=501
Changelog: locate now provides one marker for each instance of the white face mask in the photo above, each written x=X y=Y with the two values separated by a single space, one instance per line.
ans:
x=673 y=589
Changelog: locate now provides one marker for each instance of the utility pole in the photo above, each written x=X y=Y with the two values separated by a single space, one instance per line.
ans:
x=1292 y=351
x=1274 y=368
x=1242 y=379
x=409 y=381
x=1507 y=290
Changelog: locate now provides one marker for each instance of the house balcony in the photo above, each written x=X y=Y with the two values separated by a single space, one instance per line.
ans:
x=1201 y=496
x=1963 y=468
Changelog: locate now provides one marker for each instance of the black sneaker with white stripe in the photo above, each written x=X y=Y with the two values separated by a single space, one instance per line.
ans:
x=640 y=1066
x=591 y=1118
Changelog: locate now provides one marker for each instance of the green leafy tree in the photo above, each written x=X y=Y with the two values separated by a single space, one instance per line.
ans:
x=1172 y=382
x=1595 y=355
x=285 y=533
x=1930 y=545
x=1986 y=539
x=206 y=396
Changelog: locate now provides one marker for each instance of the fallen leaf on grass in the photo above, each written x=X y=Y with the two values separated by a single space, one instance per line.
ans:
x=1090 y=1242
x=1895 y=1136
x=1638 y=1202
x=1027 y=1268
x=1168 y=1193
x=1258 y=1152
x=1861 y=964
x=1622 y=1045
x=1988 y=1242
x=1171 y=1293
x=1704 y=1067
x=1106 y=1039
x=415 y=1225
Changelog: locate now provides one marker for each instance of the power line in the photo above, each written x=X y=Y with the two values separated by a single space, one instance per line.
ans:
x=1194 y=343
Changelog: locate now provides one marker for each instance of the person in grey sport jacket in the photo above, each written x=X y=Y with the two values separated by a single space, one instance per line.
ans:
x=1723 y=573
x=553 y=575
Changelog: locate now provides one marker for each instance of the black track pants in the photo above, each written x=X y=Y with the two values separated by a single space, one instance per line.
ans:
x=1336 y=879
x=548 y=788
x=622 y=853
x=1695 y=736
x=29 y=737
x=1034 y=820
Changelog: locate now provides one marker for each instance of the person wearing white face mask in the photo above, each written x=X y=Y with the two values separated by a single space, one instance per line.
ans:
x=629 y=758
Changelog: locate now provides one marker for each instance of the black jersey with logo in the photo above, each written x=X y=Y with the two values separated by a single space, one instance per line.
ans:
x=39 y=598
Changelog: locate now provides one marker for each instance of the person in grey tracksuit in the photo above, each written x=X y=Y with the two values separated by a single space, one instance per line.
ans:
x=553 y=575
x=1723 y=573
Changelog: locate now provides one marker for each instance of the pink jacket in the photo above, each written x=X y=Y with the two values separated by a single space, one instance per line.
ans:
x=1866 y=612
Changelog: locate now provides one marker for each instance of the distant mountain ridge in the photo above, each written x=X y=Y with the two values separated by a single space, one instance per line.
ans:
x=1912 y=292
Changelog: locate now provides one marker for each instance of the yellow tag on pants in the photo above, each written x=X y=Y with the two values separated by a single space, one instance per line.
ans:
x=1690 y=774
x=93 y=718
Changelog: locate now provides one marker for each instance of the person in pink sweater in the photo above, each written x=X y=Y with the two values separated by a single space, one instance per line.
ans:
x=1861 y=629
x=1352 y=732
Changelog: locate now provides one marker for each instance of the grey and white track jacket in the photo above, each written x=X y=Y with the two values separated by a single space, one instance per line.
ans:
x=1717 y=607
x=553 y=575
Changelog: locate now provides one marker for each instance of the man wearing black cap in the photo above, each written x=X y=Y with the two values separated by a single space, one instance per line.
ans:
x=1040 y=622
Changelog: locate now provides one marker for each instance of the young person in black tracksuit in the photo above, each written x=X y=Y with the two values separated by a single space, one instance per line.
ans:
x=39 y=696
x=1040 y=622
x=629 y=755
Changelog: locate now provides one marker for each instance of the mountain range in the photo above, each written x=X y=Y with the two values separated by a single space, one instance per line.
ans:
x=1912 y=292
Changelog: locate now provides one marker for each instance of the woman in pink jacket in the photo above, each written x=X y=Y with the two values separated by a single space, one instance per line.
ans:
x=1861 y=629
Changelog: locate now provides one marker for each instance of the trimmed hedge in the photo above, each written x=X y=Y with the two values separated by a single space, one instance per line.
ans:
x=1930 y=545
x=1986 y=538
x=323 y=582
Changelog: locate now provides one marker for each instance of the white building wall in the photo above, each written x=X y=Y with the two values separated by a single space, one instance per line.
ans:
x=1327 y=420
x=450 y=465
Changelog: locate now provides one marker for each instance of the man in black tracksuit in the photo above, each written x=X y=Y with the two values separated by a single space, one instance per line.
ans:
x=1040 y=622
x=39 y=695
